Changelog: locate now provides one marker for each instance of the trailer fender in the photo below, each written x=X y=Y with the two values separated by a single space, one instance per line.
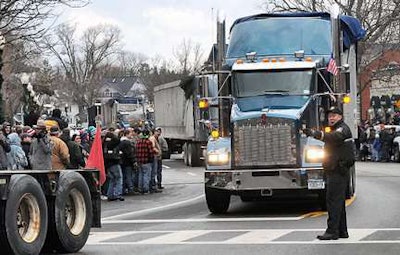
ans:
x=70 y=214
x=23 y=223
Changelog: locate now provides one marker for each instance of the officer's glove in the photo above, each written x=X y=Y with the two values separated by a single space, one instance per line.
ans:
x=313 y=133
x=308 y=132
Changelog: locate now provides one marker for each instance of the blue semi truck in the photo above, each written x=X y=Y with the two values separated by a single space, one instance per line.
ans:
x=277 y=84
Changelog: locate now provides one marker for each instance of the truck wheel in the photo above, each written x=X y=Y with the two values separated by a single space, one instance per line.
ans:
x=351 y=187
x=217 y=200
x=70 y=214
x=23 y=225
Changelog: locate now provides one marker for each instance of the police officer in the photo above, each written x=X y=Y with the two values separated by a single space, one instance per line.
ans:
x=339 y=157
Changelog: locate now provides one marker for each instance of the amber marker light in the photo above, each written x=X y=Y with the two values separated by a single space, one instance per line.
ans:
x=346 y=99
x=215 y=134
x=203 y=104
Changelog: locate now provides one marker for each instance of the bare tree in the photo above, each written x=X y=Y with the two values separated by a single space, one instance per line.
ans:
x=26 y=19
x=130 y=62
x=83 y=61
x=189 y=56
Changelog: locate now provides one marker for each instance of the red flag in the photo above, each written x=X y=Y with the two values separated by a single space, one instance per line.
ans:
x=96 y=159
x=332 y=67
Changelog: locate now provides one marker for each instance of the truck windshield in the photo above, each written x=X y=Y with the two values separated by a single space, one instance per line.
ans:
x=280 y=36
x=287 y=82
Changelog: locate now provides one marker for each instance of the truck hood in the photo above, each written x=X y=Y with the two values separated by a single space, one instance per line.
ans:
x=282 y=106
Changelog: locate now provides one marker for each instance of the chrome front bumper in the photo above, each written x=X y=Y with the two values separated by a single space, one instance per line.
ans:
x=262 y=179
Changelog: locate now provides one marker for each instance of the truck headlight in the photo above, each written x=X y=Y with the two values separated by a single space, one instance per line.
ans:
x=218 y=158
x=314 y=154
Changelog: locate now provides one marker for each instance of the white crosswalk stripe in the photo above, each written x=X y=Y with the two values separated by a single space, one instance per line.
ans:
x=240 y=236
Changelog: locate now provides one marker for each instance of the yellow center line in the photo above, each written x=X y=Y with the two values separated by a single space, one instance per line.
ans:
x=320 y=213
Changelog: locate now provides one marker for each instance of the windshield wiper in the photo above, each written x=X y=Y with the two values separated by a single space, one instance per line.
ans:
x=277 y=92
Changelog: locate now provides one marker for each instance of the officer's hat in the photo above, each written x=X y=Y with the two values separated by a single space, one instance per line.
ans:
x=334 y=109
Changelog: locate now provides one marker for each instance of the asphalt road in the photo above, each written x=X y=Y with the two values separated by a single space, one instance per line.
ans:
x=177 y=221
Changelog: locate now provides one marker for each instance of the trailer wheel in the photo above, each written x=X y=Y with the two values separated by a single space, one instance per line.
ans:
x=185 y=154
x=70 y=214
x=23 y=225
x=193 y=154
x=217 y=200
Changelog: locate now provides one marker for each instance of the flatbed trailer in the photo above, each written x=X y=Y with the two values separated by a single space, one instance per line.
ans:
x=48 y=210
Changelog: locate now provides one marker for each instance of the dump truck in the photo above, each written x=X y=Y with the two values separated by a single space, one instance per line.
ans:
x=47 y=211
x=283 y=71
x=177 y=113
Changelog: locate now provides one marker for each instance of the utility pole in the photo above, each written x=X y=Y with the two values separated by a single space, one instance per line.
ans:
x=2 y=42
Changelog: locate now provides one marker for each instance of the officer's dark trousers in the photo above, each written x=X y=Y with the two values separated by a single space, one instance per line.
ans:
x=335 y=202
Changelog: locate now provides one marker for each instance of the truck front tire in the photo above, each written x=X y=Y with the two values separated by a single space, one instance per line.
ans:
x=217 y=200
x=23 y=225
x=70 y=214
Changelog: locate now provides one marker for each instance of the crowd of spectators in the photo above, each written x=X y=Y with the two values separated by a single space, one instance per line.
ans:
x=375 y=142
x=132 y=156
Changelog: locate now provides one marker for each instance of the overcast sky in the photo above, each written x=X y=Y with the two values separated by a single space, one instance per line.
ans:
x=157 y=26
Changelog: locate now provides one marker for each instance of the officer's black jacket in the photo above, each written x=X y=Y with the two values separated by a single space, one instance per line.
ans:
x=339 y=148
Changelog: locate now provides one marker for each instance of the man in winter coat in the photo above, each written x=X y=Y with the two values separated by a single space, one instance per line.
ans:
x=144 y=157
x=76 y=158
x=128 y=161
x=339 y=157
x=112 y=160
x=59 y=151
x=40 y=151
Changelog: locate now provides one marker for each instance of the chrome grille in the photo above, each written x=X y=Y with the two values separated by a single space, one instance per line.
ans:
x=268 y=145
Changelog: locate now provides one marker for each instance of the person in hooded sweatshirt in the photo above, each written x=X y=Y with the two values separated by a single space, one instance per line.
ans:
x=16 y=157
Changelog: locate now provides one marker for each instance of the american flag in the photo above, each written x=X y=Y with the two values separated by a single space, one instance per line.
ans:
x=332 y=67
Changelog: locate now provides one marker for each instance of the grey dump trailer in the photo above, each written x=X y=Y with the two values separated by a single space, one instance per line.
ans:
x=177 y=113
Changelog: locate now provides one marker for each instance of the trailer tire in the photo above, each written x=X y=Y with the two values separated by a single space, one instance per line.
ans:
x=70 y=214
x=23 y=225
x=217 y=200
x=185 y=154
x=193 y=154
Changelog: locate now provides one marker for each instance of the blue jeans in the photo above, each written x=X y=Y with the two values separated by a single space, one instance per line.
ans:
x=375 y=155
x=128 y=176
x=144 y=177
x=153 y=173
x=159 y=172
x=114 y=176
